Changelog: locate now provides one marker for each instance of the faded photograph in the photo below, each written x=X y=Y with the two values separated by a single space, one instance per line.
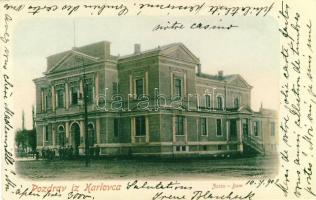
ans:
x=112 y=98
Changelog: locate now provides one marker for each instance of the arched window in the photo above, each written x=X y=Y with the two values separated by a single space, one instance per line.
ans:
x=220 y=103
x=61 y=136
x=236 y=102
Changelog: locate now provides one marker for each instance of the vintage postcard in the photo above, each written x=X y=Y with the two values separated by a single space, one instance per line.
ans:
x=158 y=100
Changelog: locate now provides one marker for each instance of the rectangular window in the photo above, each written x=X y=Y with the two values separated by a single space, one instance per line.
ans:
x=180 y=148
x=255 y=128
x=183 y=148
x=139 y=87
x=115 y=88
x=203 y=126
x=272 y=128
x=46 y=103
x=179 y=125
x=74 y=96
x=140 y=126
x=116 y=127
x=236 y=102
x=89 y=91
x=219 y=147
x=60 y=98
x=178 y=87
x=46 y=133
x=220 y=103
x=218 y=127
x=207 y=101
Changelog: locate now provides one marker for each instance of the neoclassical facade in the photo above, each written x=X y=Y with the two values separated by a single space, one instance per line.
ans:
x=153 y=102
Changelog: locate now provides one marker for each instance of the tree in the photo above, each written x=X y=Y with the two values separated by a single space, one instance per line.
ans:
x=21 y=139
x=32 y=139
x=26 y=138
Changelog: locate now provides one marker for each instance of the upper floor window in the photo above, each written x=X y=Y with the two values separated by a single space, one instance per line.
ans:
x=203 y=126
x=60 y=98
x=140 y=126
x=46 y=102
x=89 y=94
x=272 y=124
x=74 y=95
x=255 y=128
x=236 y=102
x=115 y=88
x=218 y=127
x=207 y=101
x=220 y=102
x=139 y=87
x=178 y=87
x=179 y=125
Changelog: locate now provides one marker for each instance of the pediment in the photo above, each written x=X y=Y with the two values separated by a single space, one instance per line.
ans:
x=245 y=109
x=72 y=60
x=180 y=52
x=238 y=81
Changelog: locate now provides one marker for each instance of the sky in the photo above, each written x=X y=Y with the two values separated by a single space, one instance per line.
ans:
x=251 y=49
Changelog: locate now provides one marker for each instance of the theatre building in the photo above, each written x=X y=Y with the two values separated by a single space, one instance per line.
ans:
x=153 y=102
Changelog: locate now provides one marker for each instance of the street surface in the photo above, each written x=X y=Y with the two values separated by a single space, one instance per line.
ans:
x=111 y=168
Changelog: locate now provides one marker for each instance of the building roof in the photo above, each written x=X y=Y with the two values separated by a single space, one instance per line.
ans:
x=98 y=50
x=163 y=48
x=217 y=77
x=157 y=49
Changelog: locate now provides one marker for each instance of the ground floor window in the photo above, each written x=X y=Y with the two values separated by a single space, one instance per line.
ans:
x=140 y=126
x=46 y=133
x=218 y=127
x=272 y=125
x=203 y=126
x=179 y=125
x=255 y=128
x=273 y=147
x=61 y=136
x=116 y=127
x=181 y=148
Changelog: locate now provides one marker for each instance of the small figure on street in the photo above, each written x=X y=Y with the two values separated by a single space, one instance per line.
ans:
x=97 y=151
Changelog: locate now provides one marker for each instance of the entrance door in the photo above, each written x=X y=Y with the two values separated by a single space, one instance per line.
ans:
x=233 y=130
x=75 y=134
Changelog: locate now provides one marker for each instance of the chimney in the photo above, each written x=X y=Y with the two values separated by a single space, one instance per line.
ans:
x=199 y=69
x=136 y=48
x=220 y=74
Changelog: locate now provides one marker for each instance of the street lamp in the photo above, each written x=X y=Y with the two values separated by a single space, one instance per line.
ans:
x=85 y=100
